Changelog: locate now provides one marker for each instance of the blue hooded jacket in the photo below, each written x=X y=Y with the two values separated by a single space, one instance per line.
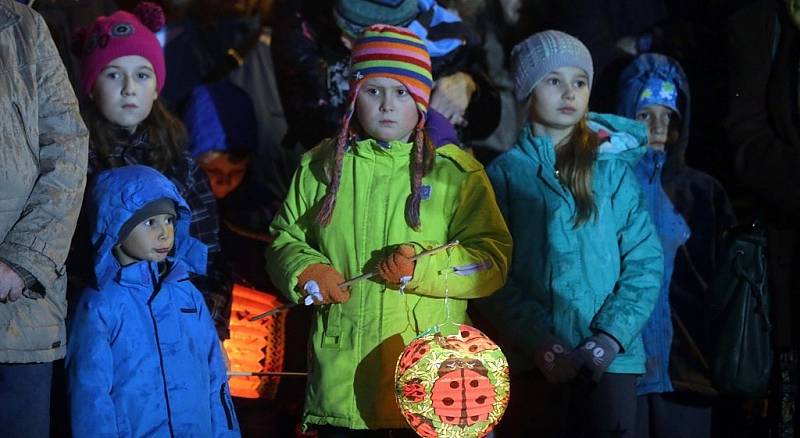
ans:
x=143 y=357
x=575 y=281
x=672 y=228
x=680 y=199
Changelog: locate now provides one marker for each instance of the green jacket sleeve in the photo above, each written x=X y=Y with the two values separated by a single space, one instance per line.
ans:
x=478 y=266
x=292 y=249
x=514 y=307
x=627 y=309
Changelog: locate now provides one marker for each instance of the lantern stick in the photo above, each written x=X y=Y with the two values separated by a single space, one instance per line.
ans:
x=347 y=283
x=265 y=374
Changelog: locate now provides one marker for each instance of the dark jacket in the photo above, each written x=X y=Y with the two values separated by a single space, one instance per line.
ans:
x=764 y=129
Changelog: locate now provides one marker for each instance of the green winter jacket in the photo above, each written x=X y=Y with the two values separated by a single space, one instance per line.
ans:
x=602 y=276
x=356 y=345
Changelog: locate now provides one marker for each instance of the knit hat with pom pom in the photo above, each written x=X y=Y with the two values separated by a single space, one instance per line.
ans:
x=118 y=35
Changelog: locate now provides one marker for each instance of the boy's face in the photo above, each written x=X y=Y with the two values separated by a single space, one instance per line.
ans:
x=224 y=174
x=386 y=110
x=125 y=91
x=151 y=240
x=661 y=125
x=561 y=98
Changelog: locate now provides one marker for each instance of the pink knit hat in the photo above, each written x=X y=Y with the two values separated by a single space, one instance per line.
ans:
x=121 y=34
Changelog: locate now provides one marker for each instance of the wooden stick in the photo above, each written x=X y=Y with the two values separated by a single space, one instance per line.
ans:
x=265 y=374
x=347 y=283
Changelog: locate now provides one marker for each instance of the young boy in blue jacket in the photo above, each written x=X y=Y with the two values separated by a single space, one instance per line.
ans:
x=143 y=358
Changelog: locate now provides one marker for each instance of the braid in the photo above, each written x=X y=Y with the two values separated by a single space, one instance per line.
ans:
x=417 y=171
x=329 y=202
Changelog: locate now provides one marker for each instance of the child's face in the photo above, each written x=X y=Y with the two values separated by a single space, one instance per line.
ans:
x=125 y=90
x=386 y=110
x=661 y=127
x=151 y=240
x=224 y=174
x=561 y=98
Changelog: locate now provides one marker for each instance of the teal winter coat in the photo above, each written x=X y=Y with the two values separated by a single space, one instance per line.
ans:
x=604 y=275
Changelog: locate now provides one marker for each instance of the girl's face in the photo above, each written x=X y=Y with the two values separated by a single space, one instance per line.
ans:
x=125 y=90
x=661 y=128
x=386 y=110
x=151 y=240
x=560 y=99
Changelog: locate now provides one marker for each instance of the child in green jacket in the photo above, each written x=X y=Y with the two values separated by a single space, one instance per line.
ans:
x=368 y=201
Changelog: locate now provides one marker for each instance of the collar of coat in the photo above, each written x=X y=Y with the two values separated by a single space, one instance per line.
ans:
x=8 y=17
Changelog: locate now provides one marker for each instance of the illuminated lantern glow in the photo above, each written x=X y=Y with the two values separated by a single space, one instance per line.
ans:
x=452 y=386
x=255 y=345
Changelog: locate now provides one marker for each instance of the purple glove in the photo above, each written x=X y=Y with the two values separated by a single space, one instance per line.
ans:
x=554 y=360
x=595 y=354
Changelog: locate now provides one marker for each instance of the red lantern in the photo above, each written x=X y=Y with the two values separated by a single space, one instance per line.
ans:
x=452 y=386
x=255 y=345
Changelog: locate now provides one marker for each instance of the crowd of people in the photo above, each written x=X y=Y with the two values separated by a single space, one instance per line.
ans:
x=157 y=154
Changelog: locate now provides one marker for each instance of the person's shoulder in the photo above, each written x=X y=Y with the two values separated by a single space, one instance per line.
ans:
x=318 y=153
x=459 y=158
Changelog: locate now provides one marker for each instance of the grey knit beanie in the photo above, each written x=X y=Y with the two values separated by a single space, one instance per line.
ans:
x=544 y=52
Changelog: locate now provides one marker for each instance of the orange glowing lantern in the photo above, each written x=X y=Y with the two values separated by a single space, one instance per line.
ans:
x=452 y=385
x=255 y=346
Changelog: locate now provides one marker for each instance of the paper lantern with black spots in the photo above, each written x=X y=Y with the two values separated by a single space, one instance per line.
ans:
x=452 y=385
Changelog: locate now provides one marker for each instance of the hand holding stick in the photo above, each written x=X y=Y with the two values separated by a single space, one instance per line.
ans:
x=347 y=283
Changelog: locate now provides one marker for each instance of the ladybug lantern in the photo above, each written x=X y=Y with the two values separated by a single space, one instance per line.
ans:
x=452 y=386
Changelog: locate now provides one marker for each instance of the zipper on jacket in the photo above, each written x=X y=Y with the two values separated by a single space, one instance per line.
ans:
x=225 y=406
x=156 y=288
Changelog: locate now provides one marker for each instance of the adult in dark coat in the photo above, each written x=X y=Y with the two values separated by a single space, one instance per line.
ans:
x=764 y=129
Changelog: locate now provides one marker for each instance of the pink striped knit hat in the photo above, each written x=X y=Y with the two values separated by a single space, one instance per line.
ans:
x=399 y=54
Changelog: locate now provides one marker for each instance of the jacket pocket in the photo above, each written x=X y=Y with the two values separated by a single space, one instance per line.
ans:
x=26 y=133
x=332 y=331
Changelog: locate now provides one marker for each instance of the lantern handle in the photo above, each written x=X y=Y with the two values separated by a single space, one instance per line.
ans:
x=351 y=281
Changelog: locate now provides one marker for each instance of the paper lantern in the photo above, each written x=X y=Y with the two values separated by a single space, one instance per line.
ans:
x=255 y=345
x=452 y=385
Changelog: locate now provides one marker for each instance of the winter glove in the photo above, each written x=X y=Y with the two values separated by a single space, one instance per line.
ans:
x=595 y=354
x=554 y=360
x=328 y=280
x=398 y=265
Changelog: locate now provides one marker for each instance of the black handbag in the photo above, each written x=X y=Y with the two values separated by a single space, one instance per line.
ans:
x=739 y=315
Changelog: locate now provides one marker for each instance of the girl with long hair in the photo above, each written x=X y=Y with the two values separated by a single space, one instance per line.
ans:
x=587 y=262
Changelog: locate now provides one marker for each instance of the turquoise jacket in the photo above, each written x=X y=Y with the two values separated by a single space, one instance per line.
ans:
x=602 y=276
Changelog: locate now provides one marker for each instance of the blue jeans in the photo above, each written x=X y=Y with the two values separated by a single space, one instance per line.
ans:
x=25 y=399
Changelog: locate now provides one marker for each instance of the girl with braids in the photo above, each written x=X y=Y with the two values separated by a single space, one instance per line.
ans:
x=367 y=201
x=587 y=263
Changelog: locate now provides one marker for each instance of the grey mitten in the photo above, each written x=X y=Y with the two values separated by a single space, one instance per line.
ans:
x=596 y=353
x=552 y=357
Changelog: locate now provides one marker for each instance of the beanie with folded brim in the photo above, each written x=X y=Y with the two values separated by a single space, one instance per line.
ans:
x=542 y=53
x=154 y=208
x=353 y=16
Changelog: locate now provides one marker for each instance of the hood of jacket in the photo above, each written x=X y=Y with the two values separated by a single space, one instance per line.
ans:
x=621 y=138
x=631 y=84
x=115 y=196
